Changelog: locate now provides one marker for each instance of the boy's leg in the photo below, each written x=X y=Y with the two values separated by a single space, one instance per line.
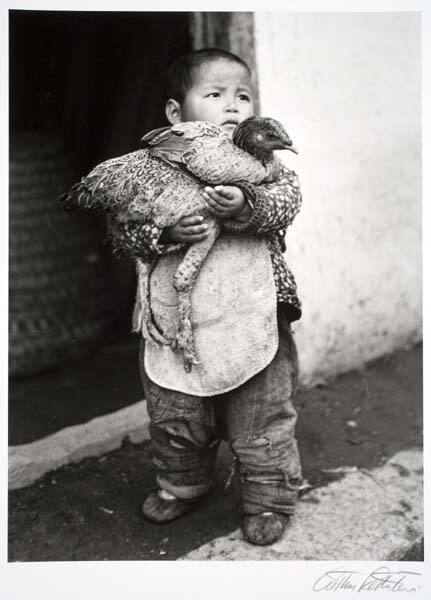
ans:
x=184 y=445
x=261 y=420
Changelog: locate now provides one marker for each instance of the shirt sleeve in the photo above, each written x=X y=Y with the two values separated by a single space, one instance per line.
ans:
x=274 y=205
x=139 y=239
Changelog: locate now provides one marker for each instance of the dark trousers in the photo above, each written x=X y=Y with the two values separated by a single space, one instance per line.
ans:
x=257 y=419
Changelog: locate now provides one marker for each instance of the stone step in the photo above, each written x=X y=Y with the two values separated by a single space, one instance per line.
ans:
x=29 y=462
x=374 y=515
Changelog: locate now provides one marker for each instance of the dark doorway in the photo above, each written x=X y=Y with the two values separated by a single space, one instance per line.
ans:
x=95 y=78
x=93 y=83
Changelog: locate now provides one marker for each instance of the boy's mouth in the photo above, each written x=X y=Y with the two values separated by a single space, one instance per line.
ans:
x=230 y=123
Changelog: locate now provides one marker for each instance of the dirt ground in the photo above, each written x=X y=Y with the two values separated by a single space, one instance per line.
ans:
x=91 y=510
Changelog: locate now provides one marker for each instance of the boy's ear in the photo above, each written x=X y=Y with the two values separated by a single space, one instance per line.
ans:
x=173 y=111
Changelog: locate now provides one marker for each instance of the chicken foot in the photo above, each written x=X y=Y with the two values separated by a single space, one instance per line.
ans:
x=142 y=316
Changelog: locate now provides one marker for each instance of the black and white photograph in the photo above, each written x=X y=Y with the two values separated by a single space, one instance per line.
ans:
x=214 y=335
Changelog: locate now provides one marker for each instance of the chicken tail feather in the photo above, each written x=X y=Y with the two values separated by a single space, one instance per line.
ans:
x=72 y=199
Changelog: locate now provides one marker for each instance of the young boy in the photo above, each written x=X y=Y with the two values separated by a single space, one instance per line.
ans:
x=256 y=416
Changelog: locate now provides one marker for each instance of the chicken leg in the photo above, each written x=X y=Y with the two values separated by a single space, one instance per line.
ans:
x=184 y=279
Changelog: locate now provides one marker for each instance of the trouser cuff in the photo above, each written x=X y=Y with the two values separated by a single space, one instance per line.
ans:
x=185 y=492
x=258 y=498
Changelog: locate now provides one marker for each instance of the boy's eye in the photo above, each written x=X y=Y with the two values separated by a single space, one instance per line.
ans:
x=245 y=97
x=214 y=94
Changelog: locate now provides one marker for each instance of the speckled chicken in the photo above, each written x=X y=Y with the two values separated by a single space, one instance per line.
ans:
x=164 y=181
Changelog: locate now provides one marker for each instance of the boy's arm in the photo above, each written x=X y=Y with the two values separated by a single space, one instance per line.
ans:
x=143 y=239
x=273 y=205
x=139 y=239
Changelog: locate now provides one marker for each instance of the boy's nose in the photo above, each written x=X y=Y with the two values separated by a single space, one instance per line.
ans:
x=231 y=106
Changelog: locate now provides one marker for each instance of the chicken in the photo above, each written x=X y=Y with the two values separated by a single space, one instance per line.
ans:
x=163 y=182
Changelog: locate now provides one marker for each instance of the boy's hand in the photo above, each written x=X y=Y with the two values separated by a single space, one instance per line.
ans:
x=188 y=229
x=225 y=201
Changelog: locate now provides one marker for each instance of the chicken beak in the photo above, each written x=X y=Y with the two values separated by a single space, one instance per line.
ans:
x=285 y=143
x=291 y=148
x=286 y=146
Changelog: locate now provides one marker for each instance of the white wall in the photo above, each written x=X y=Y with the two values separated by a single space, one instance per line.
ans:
x=347 y=88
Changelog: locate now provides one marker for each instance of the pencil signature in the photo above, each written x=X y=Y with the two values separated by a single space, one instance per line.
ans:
x=380 y=579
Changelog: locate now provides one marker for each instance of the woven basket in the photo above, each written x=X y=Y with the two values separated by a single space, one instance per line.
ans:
x=60 y=295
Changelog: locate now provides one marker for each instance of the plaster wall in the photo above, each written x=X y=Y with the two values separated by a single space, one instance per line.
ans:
x=347 y=88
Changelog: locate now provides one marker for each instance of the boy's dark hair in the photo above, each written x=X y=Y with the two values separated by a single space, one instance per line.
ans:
x=181 y=72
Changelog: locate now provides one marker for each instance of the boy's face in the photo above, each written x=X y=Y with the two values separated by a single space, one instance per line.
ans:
x=221 y=94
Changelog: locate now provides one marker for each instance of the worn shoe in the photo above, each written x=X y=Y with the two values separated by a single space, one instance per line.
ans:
x=161 y=507
x=264 y=528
